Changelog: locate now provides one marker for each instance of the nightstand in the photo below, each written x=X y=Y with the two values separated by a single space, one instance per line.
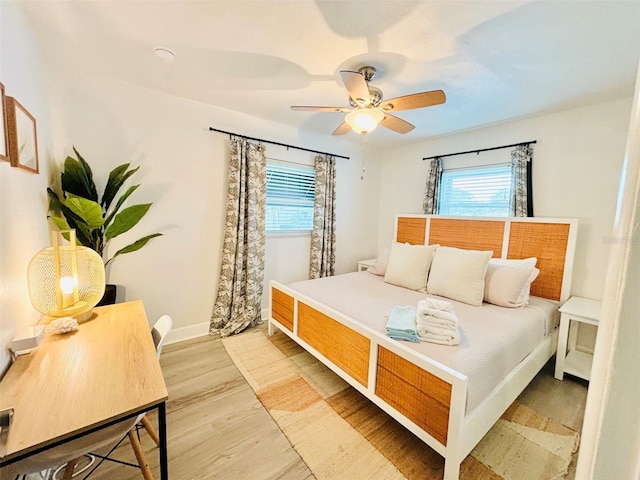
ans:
x=365 y=264
x=568 y=359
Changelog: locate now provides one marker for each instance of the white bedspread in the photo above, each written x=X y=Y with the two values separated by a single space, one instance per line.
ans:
x=493 y=339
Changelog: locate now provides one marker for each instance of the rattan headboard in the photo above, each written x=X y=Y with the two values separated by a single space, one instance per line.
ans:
x=551 y=240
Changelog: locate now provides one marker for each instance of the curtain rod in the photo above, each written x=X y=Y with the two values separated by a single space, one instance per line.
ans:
x=276 y=143
x=480 y=150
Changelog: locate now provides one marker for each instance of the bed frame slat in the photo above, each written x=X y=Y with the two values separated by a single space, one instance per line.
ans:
x=282 y=308
x=547 y=242
x=419 y=395
x=411 y=230
x=346 y=348
x=467 y=234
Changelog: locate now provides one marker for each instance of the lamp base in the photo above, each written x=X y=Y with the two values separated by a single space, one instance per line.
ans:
x=84 y=316
x=80 y=317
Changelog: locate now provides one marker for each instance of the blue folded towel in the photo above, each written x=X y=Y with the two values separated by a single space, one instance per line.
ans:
x=401 y=324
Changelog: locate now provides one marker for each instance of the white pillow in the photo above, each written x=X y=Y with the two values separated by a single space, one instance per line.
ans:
x=508 y=281
x=458 y=274
x=408 y=265
x=380 y=267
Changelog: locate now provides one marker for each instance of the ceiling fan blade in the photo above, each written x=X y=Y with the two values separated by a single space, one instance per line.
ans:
x=356 y=86
x=319 y=109
x=342 y=129
x=396 y=124
x=416 y=100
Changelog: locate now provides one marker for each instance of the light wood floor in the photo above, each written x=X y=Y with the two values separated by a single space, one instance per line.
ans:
x=217 y=429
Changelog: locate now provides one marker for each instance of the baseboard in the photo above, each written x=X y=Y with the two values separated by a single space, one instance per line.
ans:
x=187 y=333
x=198 y=330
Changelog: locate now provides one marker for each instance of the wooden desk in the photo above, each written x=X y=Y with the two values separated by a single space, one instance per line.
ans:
x=77 y=383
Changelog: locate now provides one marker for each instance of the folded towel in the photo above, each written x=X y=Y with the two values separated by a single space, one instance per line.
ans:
x=401 y=324
x=436 y=312
x=436 y=304
x=437 y=322
x=445 y=336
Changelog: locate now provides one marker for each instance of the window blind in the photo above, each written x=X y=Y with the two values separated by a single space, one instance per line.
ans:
x=290 y=196
x=481 y=191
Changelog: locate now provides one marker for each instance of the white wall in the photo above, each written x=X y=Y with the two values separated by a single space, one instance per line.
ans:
x=23 y=202
x=183 y=171
x=576 y=166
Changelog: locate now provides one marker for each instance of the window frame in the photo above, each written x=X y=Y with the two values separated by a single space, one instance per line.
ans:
x=290 y=168
x=477 y=168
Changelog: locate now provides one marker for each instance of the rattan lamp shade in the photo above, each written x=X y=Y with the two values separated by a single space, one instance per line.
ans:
x=66 y=280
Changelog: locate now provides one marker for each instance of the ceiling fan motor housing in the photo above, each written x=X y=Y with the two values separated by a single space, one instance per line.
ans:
x=375 y=97
x=367 y=72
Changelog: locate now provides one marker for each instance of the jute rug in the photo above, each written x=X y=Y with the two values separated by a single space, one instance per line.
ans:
x=341 y=435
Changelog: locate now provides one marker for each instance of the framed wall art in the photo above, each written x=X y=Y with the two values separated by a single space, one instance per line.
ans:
x=23 y=139
x=4 y=139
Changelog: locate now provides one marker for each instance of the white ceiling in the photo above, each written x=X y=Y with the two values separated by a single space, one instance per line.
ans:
x=495 y=60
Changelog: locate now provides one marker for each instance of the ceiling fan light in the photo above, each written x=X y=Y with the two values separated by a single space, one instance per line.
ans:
x=364 y=120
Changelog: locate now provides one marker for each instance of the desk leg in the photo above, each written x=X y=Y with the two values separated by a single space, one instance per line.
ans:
x=162 y=426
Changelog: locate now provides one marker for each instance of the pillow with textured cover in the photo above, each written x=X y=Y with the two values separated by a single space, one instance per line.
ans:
x=508 y=282
x=408 y=265
x=458 y=274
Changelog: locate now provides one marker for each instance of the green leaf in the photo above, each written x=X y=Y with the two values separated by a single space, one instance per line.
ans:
x=75 y=180
x=60 y=222
x=88 y=211
x=113 y=184
x=121 y=200
x=54 y=200
x=126 y=220
x=117 y=177
x=73 y=220
x=137 y=245
x=93 y=192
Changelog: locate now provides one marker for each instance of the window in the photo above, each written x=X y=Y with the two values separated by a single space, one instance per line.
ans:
x=481 y=191
x=290 y=194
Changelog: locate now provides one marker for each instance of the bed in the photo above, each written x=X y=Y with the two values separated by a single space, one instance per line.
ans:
x=448 y=396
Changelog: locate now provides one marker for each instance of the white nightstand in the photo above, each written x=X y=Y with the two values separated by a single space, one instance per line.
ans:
x=364 y=264
x=568 y=359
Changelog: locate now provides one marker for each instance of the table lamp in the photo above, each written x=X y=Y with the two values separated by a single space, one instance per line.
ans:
x=65 y=280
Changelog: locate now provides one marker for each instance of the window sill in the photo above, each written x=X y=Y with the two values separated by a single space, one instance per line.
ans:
x=288 y=233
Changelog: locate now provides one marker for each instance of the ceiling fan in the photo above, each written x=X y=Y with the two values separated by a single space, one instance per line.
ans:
x=367 y=109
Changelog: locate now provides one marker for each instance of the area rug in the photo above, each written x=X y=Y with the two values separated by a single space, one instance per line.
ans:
x=341 y=435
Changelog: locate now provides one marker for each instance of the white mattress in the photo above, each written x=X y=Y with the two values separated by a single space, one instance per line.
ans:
x=493 y=339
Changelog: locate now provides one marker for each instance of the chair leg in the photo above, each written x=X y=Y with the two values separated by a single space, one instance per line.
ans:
x=150 y=430
x=142 y=460
x=68 y=470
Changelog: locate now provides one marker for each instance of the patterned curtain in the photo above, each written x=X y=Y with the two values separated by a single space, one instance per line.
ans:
x=323 y=235
x=239 y=298
x=430 y=204
x=522 y=198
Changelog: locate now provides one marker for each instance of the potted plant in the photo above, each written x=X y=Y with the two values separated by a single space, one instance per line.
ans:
x=97 y=220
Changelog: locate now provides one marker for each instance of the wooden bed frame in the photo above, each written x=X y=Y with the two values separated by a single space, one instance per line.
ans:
x=425 y=396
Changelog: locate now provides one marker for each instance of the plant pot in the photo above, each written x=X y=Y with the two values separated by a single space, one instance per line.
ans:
x=109 y=297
